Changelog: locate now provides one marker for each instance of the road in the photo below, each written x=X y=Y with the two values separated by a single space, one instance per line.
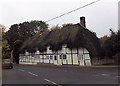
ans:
x=60 y=75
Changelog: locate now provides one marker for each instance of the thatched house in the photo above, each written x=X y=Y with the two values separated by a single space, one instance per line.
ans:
x=72 y=44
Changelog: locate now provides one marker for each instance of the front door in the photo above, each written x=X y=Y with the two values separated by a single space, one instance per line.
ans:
x=81 y=59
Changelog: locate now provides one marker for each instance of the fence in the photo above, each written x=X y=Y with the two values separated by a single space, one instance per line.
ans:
x=103 y=61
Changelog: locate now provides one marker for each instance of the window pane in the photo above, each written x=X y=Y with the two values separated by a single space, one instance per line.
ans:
x=60 y=56
x=51 y=57
x=55 y=57
x=64 y=56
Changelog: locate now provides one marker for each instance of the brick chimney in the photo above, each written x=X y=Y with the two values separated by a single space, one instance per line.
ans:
x=82 y=21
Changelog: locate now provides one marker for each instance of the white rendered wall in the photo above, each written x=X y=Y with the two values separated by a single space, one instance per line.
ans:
x=80 y=57
x=69 y=59
x=75 y=58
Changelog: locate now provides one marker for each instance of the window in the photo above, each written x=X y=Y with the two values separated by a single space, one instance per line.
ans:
x=81 y=57
x=51 y=57
x=55 y=57
x=60 y=56
x=47 y=57
x=64 y=56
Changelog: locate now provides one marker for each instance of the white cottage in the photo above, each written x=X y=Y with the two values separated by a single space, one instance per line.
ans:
x=71 y=45
x=67 y=56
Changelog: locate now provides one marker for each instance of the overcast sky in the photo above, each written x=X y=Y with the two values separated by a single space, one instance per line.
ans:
x=100 y=17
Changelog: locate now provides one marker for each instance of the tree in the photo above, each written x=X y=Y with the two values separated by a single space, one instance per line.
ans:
x=17 y=45
x=68 y=24
x=12 y=34
x=102 y=43
x=55 y=27
x=112 y=45
x=5 y=49
x=22 y=32
x=103 y=38
x=5 y=46
x=38 y=26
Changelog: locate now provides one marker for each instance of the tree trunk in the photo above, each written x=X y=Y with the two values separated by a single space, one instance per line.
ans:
x=12 y=56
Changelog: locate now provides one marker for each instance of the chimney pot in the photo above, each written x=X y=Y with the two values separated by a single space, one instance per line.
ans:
x=82 y=21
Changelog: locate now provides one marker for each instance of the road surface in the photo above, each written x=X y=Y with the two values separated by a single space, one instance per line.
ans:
x=60 y=75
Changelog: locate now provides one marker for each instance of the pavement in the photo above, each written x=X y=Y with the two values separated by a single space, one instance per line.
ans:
x=43 y=64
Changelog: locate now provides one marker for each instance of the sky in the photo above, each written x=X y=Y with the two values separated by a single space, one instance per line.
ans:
x=100 y=16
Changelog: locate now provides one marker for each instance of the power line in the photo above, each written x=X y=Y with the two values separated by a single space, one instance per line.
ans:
x=73 y=10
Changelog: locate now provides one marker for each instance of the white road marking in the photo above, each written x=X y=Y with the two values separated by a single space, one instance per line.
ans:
x=96 y=75
x=104 y=74
x=32 y=74
x=51 y=82
x=118 y=76
x=21 y=70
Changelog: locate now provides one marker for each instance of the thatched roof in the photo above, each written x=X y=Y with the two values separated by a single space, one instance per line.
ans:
x=74 y=36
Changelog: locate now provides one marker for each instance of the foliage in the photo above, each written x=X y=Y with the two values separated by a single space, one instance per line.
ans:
x=55 y=27
x=5 y=45
x=38 y=26
x=112 y=44
x=18 y=33
x=103 y=38
x=40 y=33
x=17 y=45
x=24 y=30
x=5 y=49
x=68 y=24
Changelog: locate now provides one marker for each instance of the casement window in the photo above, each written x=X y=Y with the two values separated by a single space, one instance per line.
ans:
x=55 y=57
x=51 y=57
x=47 y=57
x=60 y=56
x=64 y=56
x=81 y=58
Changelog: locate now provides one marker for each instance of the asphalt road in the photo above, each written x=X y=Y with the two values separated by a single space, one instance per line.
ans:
x=60 y=75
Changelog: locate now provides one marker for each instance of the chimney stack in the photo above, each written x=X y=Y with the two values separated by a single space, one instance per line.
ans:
x=82 y=21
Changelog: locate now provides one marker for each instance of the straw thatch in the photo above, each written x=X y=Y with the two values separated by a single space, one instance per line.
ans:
x=74 y=36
